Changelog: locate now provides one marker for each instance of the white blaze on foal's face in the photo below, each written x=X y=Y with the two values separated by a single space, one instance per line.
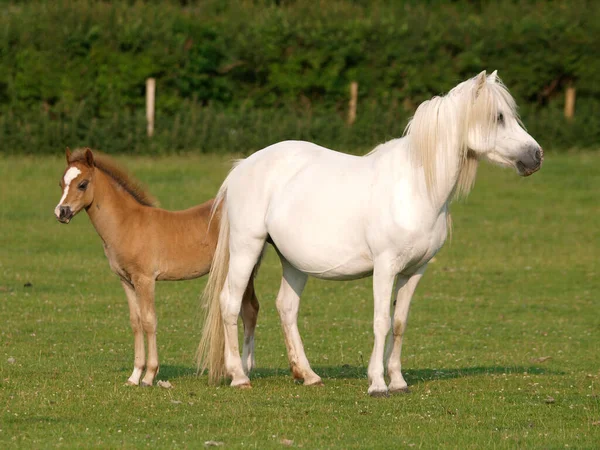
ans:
x=77 y=185
x=70 y=175
x=77 y=192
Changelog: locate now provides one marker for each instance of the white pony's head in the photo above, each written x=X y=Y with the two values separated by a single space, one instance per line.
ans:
x=475 y=120
x=494 y=130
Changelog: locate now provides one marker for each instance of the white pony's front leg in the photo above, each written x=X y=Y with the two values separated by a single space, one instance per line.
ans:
x=405 y=287
x=383 y=282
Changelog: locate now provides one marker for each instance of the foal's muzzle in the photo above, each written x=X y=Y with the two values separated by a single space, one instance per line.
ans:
x=64 y=214
x=531 y=161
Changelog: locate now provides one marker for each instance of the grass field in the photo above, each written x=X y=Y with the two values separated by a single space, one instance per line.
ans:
x=501 y=349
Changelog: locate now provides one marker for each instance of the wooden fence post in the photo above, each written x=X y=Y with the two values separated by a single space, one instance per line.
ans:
x=353 y=101
x=570 y=101
x=150 y=91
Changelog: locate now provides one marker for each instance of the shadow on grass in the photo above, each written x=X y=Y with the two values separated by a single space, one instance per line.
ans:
x=27 y=420
x=414 y=376
x=168 y=372
x=346 y=371
x=424 y=375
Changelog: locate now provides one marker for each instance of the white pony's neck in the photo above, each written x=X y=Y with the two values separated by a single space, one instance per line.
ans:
x=437 y=138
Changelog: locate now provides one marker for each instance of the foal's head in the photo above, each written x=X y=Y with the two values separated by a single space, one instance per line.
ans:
x=77 y=184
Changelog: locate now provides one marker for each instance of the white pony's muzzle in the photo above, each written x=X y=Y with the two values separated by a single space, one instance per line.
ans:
x=531 y=161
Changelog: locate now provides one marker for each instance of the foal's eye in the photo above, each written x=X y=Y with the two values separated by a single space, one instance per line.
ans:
x=83 y=185
x=500 y=119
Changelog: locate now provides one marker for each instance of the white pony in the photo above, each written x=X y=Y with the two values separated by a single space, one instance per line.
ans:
x=339 y=217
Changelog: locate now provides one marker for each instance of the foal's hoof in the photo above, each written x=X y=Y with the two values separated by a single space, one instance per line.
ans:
x=130 y=383
x=144 y=384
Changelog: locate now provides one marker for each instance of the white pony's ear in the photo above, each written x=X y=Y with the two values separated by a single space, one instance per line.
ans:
x=480 y=81
x=493 y=76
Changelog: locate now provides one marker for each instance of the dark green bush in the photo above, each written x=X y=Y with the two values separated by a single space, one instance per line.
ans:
x=239 y=75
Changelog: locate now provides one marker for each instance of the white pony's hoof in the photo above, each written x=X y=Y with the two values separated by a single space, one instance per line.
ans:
x=379 y=393
x=378 y=390
x=399 y=390
x=242 y=383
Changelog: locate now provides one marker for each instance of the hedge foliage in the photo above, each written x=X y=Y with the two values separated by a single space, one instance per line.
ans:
x=239 y=75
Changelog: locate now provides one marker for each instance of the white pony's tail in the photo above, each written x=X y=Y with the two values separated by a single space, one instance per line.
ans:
x=211 y=350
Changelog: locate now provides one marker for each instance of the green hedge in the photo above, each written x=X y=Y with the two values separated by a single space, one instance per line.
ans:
x=239 y=75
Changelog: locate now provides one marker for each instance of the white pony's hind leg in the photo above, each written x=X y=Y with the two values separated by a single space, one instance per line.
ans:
x=288 y=303
x=383 y=281
x=249 y=314
x=405 y=288
x=241 y=264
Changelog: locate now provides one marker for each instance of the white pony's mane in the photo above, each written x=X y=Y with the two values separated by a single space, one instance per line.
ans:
x=438 y=132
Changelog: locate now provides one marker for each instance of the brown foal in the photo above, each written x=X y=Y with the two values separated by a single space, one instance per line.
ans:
x=144 y=244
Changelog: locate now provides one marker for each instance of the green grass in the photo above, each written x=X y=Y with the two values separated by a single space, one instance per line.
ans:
x=519 y=281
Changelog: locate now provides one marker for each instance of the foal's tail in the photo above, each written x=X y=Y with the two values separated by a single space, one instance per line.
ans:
x=211 y=350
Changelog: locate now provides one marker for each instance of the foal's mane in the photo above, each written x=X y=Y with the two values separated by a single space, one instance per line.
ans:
x=118 y=175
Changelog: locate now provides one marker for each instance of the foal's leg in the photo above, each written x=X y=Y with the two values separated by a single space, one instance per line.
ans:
x=249 y=316
x=383 y=281
x=139 y=361
x=144 y=288
x=288 y=303
x=244 y=256
x=405 y=287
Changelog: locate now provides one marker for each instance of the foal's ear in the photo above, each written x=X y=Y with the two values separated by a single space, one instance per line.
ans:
x=480 y=81
x=89 y=157
x=68 y=155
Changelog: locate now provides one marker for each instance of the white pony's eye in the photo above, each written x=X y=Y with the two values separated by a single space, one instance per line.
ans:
x=500 y=119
